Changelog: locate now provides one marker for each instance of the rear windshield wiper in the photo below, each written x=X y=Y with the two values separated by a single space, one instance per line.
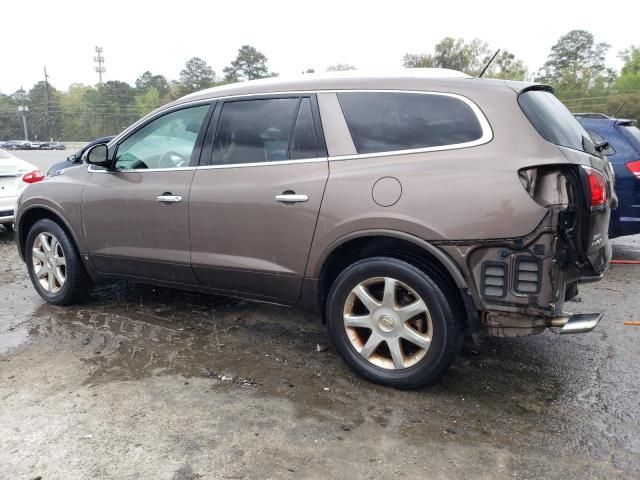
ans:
x=601 y=146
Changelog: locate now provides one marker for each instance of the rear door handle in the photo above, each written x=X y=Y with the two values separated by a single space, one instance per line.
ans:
x=291 y=198
x=168 y=198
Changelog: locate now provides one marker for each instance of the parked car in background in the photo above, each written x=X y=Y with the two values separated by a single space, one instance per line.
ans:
x=408 y=209
x=17 y=145
x=15 y=175
x=52 y=146
x=623 y=151
x=76 y=158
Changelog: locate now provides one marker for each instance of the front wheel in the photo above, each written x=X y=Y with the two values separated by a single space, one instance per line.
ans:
x=392 y=323
x=54 y=264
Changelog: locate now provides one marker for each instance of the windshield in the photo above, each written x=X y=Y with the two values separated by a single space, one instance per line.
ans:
x=554 y=121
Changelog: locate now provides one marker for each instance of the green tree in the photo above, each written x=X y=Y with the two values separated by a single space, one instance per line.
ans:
x=149 y=101
x=506 y=66
x=470 y=58
x=250 y=64
x=629 y=79
x=39 y=111
x=576 y=66
x=196 y=75
x=340 y=67
x=112 y=107
x=149 y=80
x=77 y=121
x=10 y=120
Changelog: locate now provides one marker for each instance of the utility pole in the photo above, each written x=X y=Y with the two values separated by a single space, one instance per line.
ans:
x=99 y=61
x=46 y=81
x=23 y=109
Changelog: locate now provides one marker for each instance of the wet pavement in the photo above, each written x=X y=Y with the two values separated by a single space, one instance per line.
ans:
x=144 y=382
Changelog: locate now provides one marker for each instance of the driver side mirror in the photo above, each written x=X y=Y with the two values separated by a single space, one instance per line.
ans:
x=98 y=155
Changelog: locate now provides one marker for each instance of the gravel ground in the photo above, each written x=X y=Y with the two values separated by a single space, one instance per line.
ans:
x=150 y=383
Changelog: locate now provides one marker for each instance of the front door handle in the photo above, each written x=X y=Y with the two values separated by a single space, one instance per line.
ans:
x=168 y=198
x=291 y=198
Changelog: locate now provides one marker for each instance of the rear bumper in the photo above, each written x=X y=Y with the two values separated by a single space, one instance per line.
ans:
x=7 y=208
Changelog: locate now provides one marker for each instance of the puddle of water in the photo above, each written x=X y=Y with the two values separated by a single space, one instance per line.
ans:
x=13 y=338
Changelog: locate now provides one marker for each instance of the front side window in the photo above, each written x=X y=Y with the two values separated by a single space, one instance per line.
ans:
x=166 y=142
x=388 y=121
x=254 y=131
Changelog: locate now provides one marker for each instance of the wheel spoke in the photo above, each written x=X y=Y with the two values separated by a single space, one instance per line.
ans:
x=362 y=321
x=54 y=245
x=419 y=339
x=366 y=298
x=44 y=243
x=38 y=254
x=371 y=345
x=396 y=352
x=42 y=272
x=412 y=310
x=59 y=261
x=51 y=281
x=59 y=277
x=389 y=297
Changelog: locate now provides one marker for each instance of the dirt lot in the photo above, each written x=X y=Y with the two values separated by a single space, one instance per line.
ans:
x=151 y=383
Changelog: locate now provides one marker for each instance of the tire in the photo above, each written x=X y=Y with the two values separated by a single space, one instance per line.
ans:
x=396 y=361
x=76 y=284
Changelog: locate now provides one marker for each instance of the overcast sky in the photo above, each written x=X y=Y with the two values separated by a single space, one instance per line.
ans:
x=294 y=35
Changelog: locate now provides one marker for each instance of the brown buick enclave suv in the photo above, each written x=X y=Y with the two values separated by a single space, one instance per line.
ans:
x=409 y=210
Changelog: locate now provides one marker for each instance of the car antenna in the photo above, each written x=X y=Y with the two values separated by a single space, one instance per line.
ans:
x=489 y=63
x=618 y=110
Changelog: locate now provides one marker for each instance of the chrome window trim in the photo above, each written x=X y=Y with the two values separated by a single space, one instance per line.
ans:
x=263 y=164
x=93 y=169
x=487 y=131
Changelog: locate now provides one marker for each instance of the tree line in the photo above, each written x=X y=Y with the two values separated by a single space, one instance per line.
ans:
x=575 y=67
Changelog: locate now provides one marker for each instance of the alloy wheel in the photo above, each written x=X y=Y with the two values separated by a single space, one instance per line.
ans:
x=49 y=263
x=387 y=323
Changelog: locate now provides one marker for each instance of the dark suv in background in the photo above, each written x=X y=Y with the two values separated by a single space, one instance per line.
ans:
x=623 y=152
x=408 y=210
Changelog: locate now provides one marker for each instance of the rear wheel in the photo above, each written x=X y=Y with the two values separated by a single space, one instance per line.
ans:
x=54 y=264
x=392 y=323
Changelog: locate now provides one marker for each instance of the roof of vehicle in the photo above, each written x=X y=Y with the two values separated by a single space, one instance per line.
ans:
x=433 y=79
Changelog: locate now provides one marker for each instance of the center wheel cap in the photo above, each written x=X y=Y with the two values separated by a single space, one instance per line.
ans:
x=386 y=323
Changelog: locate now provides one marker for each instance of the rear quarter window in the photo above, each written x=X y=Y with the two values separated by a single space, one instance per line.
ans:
x=390 y=121
x=553 y=121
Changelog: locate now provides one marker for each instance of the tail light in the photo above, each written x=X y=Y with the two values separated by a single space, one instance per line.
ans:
x=597 y=186
x=33 y=176
x=634 y=167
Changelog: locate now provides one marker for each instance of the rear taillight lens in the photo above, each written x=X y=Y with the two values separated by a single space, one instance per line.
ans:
x=33 y=177
x=634 y=167
x=597 y=186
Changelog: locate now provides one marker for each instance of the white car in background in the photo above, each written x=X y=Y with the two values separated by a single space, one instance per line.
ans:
x=15 y=175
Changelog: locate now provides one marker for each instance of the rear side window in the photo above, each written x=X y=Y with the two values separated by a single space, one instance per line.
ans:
x=554 y=121
x=265 y=130
x=383 y=122
x=303 y=143
x=254 y=131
